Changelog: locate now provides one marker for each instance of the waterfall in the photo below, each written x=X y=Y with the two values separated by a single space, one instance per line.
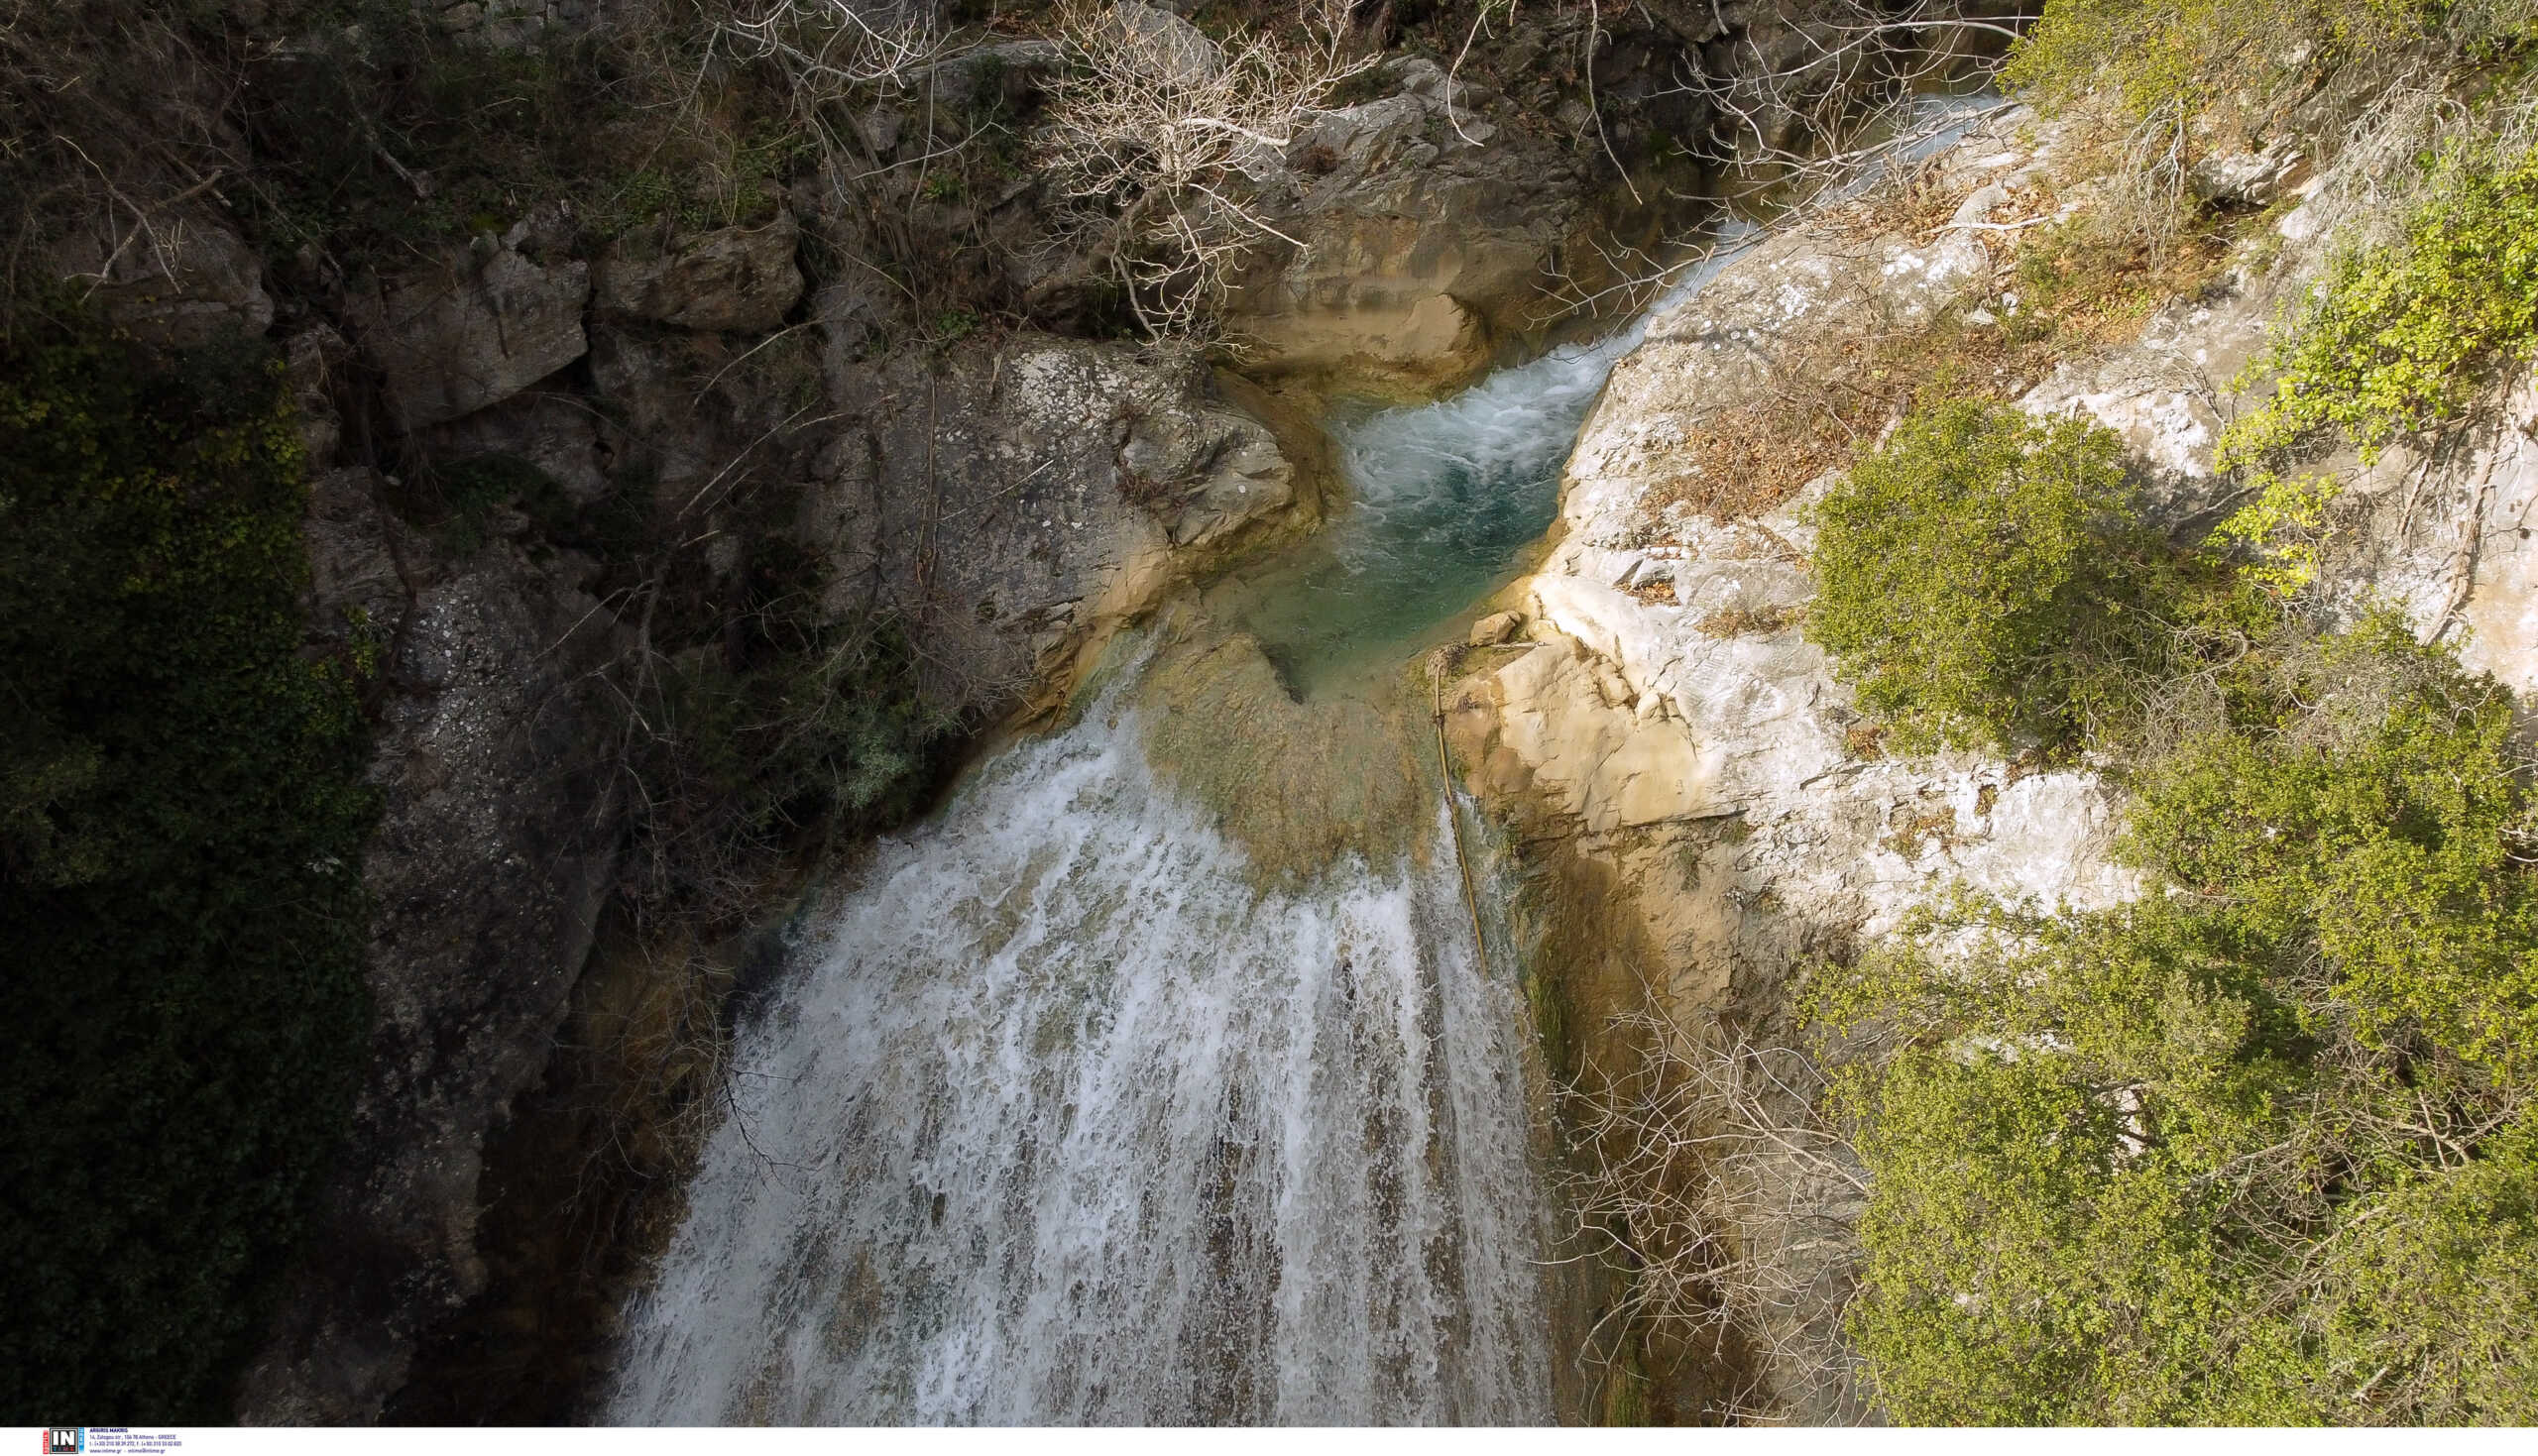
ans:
x=1068 y=1115
x=1065 y=1121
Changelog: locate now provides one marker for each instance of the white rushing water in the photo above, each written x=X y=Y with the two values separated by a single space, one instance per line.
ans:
x=1062 y=1119
x=1068 y=1123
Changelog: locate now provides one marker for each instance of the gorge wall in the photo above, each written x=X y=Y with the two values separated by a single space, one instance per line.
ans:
x=1703 y=812
x=570 y=444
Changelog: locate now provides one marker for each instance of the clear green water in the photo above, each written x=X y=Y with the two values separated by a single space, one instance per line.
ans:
x=1444 y=501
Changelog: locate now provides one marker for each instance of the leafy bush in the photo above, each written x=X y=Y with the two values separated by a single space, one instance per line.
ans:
x=2253 y=1149
x=181 y=814
x=2397 y=338
x=2381 y=829
x=2151 y=54
x=1982 y=578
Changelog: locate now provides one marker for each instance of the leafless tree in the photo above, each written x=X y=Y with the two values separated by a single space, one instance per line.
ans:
x=831 y=48
x=1801 y=103
x=1706 y=1177
x=1158 y=140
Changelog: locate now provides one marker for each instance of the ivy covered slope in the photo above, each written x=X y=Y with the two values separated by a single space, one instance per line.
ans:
x=182 y=812
x=2261 y=1146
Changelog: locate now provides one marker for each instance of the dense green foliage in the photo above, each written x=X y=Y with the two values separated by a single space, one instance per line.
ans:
x=2395 y=339
x=182 y=916
x=2255 y=1148
x=2259 y=1146
x=1983 y=579
x=2188 y=54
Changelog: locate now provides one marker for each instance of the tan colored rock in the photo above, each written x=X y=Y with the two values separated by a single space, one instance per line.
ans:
x=1594 y=759
x=1496 y=628
x=1422 y=237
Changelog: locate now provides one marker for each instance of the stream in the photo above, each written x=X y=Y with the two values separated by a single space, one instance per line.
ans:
x=1127 y=1090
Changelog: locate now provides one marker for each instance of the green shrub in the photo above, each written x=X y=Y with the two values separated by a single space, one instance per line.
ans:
x=2023 y=1269
x=2251 y=1148
x=2150 y=53
x=2396 y=339
x=2385 y=826
x=181 y=815
x=2440 y=1289
x=1983 y=579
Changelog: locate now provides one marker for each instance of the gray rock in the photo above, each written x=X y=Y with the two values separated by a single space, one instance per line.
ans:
x=558 y=433
x=882 y=126
x=706 y=417
x=494 y=851
x=963 y=80
x=1174 y=48
x=184 y=282
x=2247 y=178
x=453 y=341
x=355 y=580
x=732 y=279
x=1025 y=497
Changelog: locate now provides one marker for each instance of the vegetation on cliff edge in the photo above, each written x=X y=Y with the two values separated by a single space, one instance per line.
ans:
x=2259 y=1147
x=182 y=812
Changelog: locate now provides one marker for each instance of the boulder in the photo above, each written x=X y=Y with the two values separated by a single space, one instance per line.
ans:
x=2247 y=178
x=1414 y=237
x=1007 y=67
x=181 y=283
x=1167 y=46
x=452 y=341
x=731 y=280
x=1024 y=496
x=1495 y=629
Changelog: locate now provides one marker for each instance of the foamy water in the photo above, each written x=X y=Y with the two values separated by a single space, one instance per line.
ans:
x=1064 y=1122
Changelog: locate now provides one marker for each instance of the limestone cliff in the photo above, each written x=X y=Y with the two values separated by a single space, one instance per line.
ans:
x=1700 y=807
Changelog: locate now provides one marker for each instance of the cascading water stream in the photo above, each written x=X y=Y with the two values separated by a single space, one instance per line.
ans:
x=1068 y=1123
x=1069 y=1116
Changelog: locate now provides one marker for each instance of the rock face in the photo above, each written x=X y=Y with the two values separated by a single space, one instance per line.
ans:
x=736 y=279
x=1680 y=756
x=1427 y=236
x=489 y=866
x=1672 y=683
x=452 y=341
x=1013 y=499
x=1026 y=497
x=181 y=281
